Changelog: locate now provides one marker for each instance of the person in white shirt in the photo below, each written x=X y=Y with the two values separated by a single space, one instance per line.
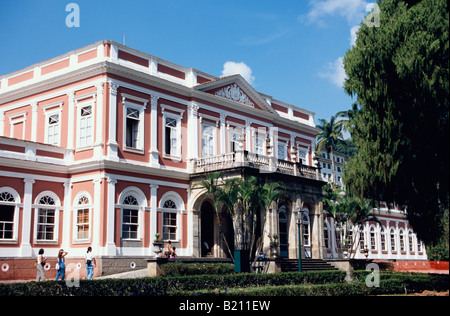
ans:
x=90 y=263
x=40 y=266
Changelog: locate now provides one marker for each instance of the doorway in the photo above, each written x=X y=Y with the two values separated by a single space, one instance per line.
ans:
x=283 y=231
x=207 y=229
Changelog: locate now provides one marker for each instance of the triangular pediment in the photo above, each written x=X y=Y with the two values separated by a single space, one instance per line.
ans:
x=236 y=88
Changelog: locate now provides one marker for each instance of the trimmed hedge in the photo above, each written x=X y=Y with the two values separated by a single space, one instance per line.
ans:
x=320 y=283
x=180 y=268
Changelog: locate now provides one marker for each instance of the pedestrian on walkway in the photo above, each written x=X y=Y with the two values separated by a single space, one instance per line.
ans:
x=90 y=263
x=61 y=264
x=41 y=261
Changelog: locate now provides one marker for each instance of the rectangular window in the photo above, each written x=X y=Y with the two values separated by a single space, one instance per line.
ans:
x=169 y=226
x=53 y=129
x=282 y=148
x=6 y=221
x=46 y=224
x=83 y=224
x=130 y=224
x=259 y=145
x=171 y=137
x=85 y=130
x=208 y=141
x=132 y=128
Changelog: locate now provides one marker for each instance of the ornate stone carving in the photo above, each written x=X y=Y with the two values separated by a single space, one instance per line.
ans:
x=233 y=92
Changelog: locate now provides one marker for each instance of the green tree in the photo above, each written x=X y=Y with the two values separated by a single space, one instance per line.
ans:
x=329 y=137
x=348 y=212
x=247 y=201
x=399 y=74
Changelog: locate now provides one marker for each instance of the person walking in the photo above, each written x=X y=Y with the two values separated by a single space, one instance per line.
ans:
x=90 y=263
x=61 y=264
x=41 y=261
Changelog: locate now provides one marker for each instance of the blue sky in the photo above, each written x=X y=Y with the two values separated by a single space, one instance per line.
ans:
x=291 y=50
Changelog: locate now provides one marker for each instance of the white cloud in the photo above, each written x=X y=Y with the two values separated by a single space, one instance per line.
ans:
x=352 y=10
x=232 y=68
x=335 y=72
x=353 y=36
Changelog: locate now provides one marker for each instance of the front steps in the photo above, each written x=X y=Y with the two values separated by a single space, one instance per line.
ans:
x=291 y=265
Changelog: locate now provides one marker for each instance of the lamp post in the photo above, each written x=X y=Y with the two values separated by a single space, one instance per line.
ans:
x=298 y=214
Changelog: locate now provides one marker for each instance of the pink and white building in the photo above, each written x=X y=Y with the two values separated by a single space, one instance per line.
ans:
x=101 y=146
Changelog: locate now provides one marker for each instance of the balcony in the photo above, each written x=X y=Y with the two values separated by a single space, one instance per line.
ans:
x=265 y=164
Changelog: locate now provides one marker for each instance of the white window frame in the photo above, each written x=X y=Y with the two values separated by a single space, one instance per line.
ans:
x=411 y=243
x=383 y=239
x=77 y=207
x=373 y=238
x=259 y=141
x=392 y=239
x=212 y=126
x=176 y=198
x=17 y=205
x=80 y=107
x=401 y=240
x=142 y=204
x=236 y=134
x=140 y=132
x=177 y=117
x=57 y=129
x=57 y=208
x=282 y=145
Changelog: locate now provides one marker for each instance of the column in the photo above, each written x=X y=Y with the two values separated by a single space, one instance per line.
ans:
x=112 y=141
x=98 y=144
x=154 y=153
x=154 y=211
x=248 y=136
x=25 y=249
x=66 y=214
x=223 y=147
x=96 y=223
x=110 y=218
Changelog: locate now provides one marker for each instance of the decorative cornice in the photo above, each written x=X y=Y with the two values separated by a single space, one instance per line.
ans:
x=233 y=92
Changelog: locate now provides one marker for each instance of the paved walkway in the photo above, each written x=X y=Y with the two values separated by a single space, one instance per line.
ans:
x=126 y=275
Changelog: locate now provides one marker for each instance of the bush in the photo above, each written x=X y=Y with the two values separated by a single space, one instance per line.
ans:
x=320 y=283
x=179 y=268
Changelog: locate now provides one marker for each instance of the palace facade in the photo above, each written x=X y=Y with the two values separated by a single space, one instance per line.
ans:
x=101 y=146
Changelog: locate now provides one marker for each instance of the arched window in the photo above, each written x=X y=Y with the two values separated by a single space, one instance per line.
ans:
x=8 y=214
x=362 y=239
x=392 y=239
x=132 y=201
x=383 y=239
x=82 y=212
x=402 y=239
x=47 y=217
x=171 y=204
x=411 y=240
x=169 y=220
x=373 y=238
x=130 y=217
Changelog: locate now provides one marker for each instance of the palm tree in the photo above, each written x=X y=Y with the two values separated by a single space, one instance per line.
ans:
x=243 y=198
x=329 y=137
x=210 y=184
x=347 y=117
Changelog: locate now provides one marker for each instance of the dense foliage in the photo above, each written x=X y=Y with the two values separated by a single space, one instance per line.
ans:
x=399 y=74
x=294 y=283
